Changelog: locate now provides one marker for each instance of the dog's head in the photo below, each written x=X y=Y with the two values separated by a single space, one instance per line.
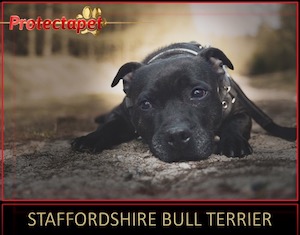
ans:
x=174 y=103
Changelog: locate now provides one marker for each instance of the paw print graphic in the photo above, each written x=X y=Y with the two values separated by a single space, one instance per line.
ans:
x=89 y=13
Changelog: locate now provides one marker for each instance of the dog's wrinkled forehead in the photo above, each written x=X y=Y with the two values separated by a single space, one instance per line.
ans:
x=171 y=74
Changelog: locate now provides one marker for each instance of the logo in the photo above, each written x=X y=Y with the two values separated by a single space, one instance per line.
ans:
x=89 y=21
x=93 y=16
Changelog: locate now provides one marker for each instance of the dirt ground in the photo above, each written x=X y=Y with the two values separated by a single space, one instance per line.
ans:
x=39 y=163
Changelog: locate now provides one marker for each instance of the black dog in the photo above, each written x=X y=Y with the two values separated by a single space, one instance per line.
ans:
x=183 y=103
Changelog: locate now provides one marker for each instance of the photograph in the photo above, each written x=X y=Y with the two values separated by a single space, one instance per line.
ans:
x=144 y=101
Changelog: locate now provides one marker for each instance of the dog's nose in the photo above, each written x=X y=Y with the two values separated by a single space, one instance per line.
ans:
x=178 y=137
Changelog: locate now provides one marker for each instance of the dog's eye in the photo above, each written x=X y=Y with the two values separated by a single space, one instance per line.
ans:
x=198 y=94
x=145 y=105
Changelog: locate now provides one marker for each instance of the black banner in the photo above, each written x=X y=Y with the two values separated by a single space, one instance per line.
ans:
x=149 y=218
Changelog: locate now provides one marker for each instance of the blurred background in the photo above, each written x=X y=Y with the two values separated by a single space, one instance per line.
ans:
x=56 y=82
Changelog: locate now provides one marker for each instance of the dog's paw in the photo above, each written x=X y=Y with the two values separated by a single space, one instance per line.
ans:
x=233 y=145
x=89 y=143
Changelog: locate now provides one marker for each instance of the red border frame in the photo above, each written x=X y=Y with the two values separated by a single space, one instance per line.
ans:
x=2 y=103
x=136 y=202
x=143 y=200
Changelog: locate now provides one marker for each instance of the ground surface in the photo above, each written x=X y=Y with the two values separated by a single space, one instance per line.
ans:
x=39 y=163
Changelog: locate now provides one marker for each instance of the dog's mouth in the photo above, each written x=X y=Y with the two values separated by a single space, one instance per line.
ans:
x=192 y=148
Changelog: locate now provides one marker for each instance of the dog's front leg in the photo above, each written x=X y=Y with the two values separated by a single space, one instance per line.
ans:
x=115 y=130
x=234 y=135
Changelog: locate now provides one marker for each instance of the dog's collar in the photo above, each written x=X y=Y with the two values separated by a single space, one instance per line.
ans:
x=226 y=93
x=180 y=50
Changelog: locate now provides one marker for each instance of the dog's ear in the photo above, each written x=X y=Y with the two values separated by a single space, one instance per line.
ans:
x=125 y=73
x=217 y=58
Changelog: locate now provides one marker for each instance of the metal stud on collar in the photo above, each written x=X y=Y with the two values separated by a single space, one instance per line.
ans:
x=228 y=88
x=224 y=104
x=217 y=138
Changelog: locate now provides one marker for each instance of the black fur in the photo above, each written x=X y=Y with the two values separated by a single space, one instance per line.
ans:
x=174 y=103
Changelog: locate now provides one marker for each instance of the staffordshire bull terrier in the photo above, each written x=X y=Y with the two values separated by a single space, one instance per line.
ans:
x=185 y=106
